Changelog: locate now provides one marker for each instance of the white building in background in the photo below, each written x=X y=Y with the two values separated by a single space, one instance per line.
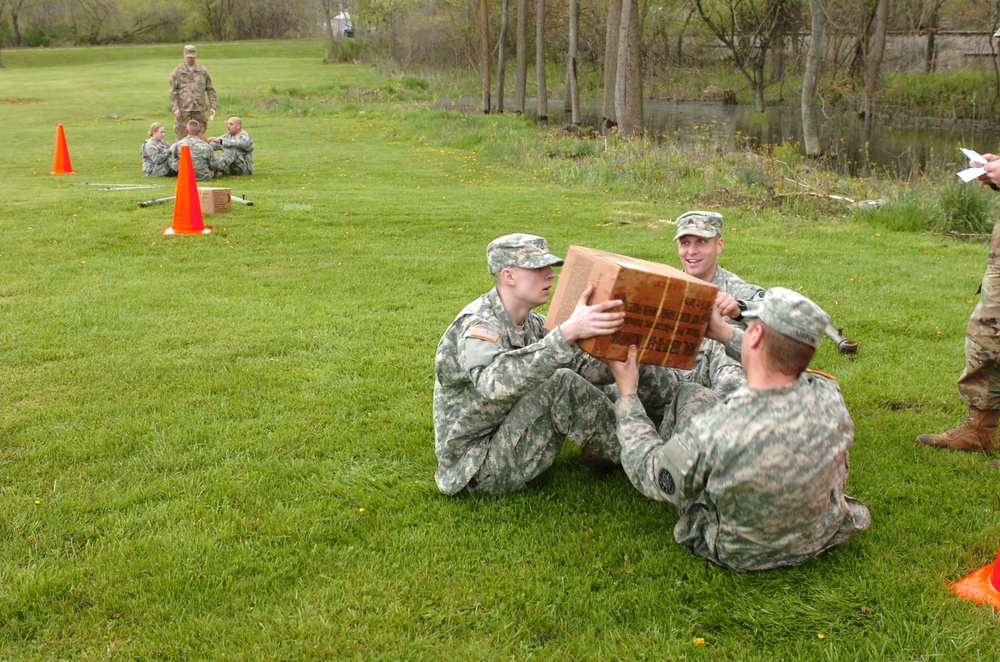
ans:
x=341 y=24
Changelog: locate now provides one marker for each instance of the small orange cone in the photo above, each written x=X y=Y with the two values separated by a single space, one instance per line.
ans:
x=981 y=586
x=187 y=204
x=60 y=162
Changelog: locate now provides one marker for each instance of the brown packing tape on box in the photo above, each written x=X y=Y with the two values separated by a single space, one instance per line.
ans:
x=666 y=311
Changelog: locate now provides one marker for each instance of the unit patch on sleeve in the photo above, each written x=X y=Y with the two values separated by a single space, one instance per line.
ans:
x=483 y=333
x=666 y=482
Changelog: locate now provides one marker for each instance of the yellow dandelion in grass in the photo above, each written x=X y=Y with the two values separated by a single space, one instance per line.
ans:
x=361 y=511
x=37 y=502
x=821 y=636
x=878 y=234
x=31 y=537
x=939 y=333
x=699 y=641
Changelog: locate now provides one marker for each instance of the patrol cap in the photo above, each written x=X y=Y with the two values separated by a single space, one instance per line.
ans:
x=520 y=250
x=190 y=51
x=792 y=314
x=699 y=223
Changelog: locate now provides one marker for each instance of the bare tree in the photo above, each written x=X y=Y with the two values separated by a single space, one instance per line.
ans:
x=628 y=82
x=543 y=94
x=814 y=63
x=484 y=52
x=573 y=91
x=521 y=77
x=608 y=116
x=873 y=65
x=216 y=14
x=502 y=54
x=749 y=29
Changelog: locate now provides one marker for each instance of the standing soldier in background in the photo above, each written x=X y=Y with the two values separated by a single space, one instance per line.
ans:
x=979 y=384
x=190 y=83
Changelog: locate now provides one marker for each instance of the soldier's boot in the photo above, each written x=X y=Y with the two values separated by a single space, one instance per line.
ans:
x=591 y=458
x=977 y=433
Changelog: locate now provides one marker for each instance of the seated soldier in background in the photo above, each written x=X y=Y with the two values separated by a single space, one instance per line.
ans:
x=237 y=149
x=758 y=478
x=202 y=157
x=156 y=153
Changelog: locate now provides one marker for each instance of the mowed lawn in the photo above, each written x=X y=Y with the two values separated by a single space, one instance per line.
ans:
x=221 y=447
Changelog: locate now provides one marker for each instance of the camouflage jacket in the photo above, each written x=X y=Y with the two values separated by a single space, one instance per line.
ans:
x=482 y=368
x=738 y=288
x=202 y=157
x=758 y=479
x=188 y=88
x=156 y=158
x=238 y=153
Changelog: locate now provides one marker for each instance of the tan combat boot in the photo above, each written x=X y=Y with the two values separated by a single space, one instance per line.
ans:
x=977 y=433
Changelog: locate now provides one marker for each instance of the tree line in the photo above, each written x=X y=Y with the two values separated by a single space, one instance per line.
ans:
x=626 y=42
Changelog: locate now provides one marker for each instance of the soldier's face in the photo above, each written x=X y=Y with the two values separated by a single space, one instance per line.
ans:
x=159 y=133
x=233 y=126
x=189 y=59
x=699 y=255
x=532 y=285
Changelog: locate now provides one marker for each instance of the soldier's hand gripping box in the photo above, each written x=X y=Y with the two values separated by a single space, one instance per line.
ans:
x=666 y=311
x=215 y=199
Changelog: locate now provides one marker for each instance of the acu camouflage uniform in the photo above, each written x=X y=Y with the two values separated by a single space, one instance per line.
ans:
x=506 y=399
x=758 y=479
x=202 y=157
x=188 y=88
x=156 y=159
x=237 y=154
x=979 y=384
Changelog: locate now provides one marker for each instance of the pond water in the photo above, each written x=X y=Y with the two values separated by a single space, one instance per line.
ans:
x=908 y=149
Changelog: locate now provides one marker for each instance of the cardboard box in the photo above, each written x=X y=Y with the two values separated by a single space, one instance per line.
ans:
x=215 y=199
x=666 y=311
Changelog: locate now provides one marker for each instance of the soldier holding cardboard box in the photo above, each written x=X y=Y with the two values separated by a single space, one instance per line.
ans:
x=758 y=478
x=506 y=393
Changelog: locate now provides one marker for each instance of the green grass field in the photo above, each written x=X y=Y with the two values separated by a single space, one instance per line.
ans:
x=220 y=447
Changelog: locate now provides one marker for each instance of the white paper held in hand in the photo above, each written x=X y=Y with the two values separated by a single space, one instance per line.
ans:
x=969 y=174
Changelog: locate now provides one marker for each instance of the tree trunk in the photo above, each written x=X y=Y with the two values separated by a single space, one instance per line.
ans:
x=628 y=87
x=484 y=52
x=873 y=66
x=608 y=117
x=502 y=54
x=521 y=77
x=543 y=95
x=814 y=64
x=573 y=91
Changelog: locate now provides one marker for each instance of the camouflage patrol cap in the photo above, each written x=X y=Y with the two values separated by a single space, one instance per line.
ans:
x=520 y=250
x=190 y=51
x=699 y=223
x=792 y=314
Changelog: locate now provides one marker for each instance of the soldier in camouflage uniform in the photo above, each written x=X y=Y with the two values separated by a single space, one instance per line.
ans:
x=237 y=149
x=202 y=156
x=979 y=385
x=506 y=393
x=699 y=243
x=156 y=153
x=190 y=84
x=758 y=479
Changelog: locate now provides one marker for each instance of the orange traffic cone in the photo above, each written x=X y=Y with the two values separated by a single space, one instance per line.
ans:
x=60 y=163
x=981 y=586
x=187 y=204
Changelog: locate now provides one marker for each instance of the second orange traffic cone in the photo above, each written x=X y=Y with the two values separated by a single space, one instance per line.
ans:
x=981 y=586
x=188 y=218
x=60 y=162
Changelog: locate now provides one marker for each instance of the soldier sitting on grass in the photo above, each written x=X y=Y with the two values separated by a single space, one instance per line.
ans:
x=202 y=157
x=506 y=393
x=758 y=478
x=237 y=149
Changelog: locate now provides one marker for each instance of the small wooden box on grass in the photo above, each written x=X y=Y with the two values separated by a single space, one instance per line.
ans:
x=215 y=199
x=666 y=311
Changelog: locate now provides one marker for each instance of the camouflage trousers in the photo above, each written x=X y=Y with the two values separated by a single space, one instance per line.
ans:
x=528 y=441
x=979 y=384
x=715 y=370
x=180 y=123
x=690 y=400
x=232 y=162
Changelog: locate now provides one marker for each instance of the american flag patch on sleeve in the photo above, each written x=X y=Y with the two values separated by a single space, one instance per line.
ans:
x=483 y=333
